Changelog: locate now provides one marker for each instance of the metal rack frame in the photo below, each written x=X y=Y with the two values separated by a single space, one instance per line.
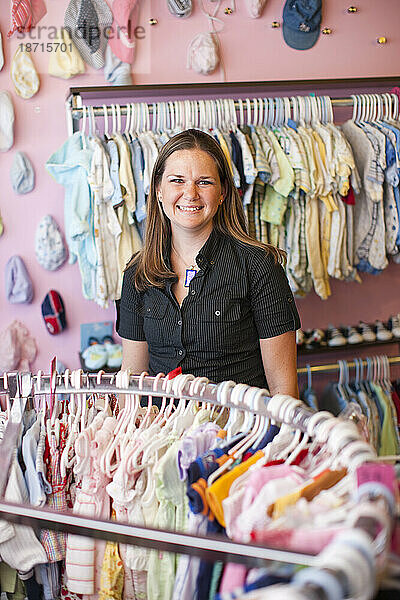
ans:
x=180 y=91
x=26 y=385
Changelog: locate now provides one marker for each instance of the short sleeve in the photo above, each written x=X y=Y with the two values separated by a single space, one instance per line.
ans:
x=273 y=305
x=129 y=322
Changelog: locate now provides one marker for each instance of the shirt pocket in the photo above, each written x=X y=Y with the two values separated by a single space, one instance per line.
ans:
x=154 y=309
x=219 y=324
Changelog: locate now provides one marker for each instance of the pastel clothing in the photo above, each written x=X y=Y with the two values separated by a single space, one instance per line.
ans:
x=34 y=484
x=70 y=166
x=106 y=228
x=54 y=542
x=19 y=546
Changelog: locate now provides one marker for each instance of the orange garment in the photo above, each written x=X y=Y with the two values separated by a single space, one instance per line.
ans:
x=219 y=490
x=323 y=481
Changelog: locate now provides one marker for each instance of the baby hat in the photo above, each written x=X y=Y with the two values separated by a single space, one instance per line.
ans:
x=38 y=11
x=24 y=74
x=50 y=249
x=18 y=284
x=122 y=40
x=10 y=351
x=53 y=312
x=116 y=72
x=180 y=8
x=65 y=64
x=203 y=54
x=22 y=174
x=87 y=22
x=255 y=7
x=301 y=23
x=21 y=16
x=6 y=121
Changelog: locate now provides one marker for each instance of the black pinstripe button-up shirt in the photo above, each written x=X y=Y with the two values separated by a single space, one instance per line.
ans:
x=238 y=296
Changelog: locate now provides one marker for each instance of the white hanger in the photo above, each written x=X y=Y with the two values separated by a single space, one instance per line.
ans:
x=241 y=113
x=105 y=121
x=234 y=122
x=127 y=120
x=222 y=397
x=109 y=460
x=395 y=103
x=295 y=109
x=286 y=110
x=248 y=106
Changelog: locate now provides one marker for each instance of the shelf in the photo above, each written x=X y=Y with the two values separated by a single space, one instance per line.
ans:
x=329 y=349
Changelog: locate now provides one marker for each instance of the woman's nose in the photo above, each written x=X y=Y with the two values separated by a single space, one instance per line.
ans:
x=191 y=190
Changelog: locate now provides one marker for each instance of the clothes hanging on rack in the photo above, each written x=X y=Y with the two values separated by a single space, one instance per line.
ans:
x=239 y=474
x=303 y=189
x=374 y=397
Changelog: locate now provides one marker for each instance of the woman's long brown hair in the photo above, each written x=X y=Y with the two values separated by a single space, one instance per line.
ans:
x=151 y=266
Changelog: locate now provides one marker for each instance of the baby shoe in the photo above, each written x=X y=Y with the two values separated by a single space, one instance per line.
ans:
x=368 y=334
x=382 y=334
x=316 y=339
x=335 y=337
x=95 y=356
x=353 y=336
x=300 y=337
x=114 y=353
x=394 y=325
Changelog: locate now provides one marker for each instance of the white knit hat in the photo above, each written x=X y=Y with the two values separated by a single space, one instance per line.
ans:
x=6 y=121
x=24 y=74
x=203 y=54
x=50 y=249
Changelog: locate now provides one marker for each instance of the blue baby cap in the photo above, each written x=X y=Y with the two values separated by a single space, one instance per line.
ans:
x=116 y=72
x=301 y=23
x=18 y=284
x=22 y=174
x=50 y=248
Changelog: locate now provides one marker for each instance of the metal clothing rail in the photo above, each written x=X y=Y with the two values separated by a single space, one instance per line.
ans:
x=213 y=548
x=165 y=92
x=20 y=386
x=24 y=385
x=336 y=367
x=210 y=548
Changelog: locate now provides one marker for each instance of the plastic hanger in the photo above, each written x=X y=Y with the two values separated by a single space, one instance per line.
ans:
x=110 y=457
x=234 y=415
x=105 y=118
x=127 y=122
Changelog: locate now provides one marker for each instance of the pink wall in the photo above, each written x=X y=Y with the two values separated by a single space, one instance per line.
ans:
x=252 y=51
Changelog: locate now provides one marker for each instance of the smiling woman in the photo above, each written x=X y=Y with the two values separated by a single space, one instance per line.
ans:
x=202 y=294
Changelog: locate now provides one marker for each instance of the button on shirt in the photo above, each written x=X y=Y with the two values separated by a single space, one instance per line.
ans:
x=239 y=295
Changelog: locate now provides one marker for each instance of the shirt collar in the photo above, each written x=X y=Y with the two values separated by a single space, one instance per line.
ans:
x=208 y=252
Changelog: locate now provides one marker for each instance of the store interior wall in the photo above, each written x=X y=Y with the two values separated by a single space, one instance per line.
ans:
x=252 y=51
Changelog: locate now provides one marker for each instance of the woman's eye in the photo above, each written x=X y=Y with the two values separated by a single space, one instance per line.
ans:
x=176 y=180
x=205 y=182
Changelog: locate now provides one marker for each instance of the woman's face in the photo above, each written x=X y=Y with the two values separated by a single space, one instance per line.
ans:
x=190 y=190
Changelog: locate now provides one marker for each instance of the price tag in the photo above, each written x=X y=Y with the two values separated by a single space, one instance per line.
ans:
x=377 y=473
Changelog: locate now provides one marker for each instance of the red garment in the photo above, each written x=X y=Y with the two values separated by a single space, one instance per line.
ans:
x=396 y=402
x=350 y=198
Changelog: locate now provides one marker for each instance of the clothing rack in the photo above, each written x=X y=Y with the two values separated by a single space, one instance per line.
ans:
x=336 y=367
x=163 y=92
x=23 y=386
